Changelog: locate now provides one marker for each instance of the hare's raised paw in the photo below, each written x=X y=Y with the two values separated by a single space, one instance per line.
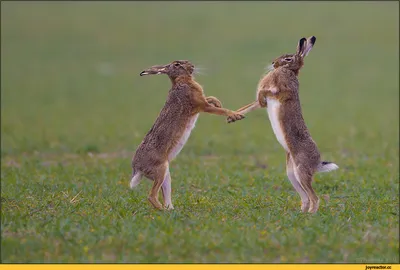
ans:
x=214 y=101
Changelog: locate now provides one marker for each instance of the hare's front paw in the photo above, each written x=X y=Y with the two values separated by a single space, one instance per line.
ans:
x=235 y=117
x=214 y=101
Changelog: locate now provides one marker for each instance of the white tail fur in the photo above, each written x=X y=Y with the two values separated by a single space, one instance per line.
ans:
x=327 y=166
x=135 y=180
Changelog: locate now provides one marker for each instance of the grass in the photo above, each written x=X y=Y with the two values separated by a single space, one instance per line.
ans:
x=73 y=110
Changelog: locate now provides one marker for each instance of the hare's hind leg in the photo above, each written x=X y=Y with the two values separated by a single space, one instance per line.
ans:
x=305 y=202
x=305 y=179
x=166 y=191
x=158 y=177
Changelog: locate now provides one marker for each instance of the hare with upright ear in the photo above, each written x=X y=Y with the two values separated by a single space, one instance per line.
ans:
x=278 y=91
x=172 y=128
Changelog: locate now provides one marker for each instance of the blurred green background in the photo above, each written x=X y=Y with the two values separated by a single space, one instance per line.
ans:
x=70 y=71
x=70 y=84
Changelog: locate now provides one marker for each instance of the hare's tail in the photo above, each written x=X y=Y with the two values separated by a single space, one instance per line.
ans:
x=136 y=178
x=326 y=166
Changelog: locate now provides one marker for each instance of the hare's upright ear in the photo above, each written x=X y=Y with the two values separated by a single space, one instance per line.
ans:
x=309 y=45
x=301 y=46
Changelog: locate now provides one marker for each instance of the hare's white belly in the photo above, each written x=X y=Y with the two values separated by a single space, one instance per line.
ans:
x=273 y=107
x=185 y=136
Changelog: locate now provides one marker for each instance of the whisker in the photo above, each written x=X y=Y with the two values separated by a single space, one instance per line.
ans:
x=199 y=70
x=269 y=68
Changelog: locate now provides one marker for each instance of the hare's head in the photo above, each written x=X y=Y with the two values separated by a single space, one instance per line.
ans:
x=173 y=70
x=295 y=61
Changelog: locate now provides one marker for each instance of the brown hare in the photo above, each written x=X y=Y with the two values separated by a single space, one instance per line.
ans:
x=172 y=128
x=278 y=91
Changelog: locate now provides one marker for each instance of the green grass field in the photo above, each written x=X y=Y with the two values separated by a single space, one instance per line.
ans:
x=74 y=109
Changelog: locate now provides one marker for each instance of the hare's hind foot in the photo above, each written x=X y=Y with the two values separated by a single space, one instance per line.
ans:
x=155 y=203
x=169 y=207
x=305 y=206
x=314 y=206
x=309 y=207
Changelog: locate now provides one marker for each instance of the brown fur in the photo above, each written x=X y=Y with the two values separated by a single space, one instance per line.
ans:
x=303 y=158
x=185 y=100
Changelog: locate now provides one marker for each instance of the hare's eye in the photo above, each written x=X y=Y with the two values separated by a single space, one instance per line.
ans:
x=177 y=64
x=288 y=59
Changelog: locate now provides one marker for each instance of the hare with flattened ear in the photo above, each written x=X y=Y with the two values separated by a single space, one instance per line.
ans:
x=278 y=91
x=172 y=128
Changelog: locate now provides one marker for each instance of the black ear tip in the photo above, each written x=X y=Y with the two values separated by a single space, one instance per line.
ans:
x=313 y=39
x=302 y=41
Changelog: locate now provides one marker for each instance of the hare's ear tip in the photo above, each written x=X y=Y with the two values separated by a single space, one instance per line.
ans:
x=302 y=40
x=313 y=39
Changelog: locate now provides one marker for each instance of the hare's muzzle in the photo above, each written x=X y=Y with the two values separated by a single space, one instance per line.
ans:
x=154 y=70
